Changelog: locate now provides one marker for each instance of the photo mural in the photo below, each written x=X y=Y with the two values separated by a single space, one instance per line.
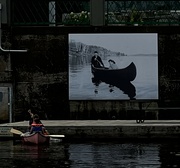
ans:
x=113 y=66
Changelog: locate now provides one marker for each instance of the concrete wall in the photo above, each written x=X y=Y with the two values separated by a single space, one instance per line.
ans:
x=40 y=76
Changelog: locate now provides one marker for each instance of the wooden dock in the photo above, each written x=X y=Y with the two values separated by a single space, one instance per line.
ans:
x=103 y=129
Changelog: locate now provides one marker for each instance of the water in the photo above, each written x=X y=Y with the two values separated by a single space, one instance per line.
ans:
x=145 y=83
x=90 y=155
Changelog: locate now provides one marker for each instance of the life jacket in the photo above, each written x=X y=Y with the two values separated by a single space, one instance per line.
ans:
x=36 y=127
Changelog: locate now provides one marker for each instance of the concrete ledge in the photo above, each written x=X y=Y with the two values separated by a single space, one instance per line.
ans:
x=107 y=129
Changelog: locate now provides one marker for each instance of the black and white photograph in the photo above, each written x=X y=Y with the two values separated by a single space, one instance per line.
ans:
x=113 y=66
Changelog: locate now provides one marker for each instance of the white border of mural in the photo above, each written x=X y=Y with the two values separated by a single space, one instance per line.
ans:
x=141 y=49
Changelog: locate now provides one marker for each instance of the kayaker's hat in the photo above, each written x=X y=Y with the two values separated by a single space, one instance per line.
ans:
x=95 y=52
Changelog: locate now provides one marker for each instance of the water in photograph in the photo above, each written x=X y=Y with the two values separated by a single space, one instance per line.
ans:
x=90 y=155
x=145 y=83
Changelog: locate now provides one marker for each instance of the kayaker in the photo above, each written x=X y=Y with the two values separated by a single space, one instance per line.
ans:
x=37 y=125
x=31 y=118
x=96 y=60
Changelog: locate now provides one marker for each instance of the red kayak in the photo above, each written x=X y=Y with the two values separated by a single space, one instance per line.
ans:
x=35 y=138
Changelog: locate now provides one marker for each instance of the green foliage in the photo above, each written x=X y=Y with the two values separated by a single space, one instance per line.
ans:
x=135 y=16
x=77 y=18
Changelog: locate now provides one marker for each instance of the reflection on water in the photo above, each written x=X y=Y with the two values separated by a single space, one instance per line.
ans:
x=126 y=86
x=19 y=155
x=90 y=154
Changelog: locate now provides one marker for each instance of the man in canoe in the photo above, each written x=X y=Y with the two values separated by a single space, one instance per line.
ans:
x=31 y=118
x=96 y=60
x=37 y=125
x=31 y=113
x=36 y=117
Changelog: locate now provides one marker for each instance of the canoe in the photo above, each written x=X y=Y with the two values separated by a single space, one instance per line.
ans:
x=35 y=138
x=105 y=74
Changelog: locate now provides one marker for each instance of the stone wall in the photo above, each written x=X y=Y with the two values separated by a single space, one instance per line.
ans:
x=40 y=78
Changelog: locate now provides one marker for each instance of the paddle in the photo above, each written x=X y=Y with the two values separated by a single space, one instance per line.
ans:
x=15 y=131
x=56 y=136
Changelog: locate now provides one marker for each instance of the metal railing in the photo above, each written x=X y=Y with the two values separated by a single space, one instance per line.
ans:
x=143 y=12
x=77 y=12
x=45 y=12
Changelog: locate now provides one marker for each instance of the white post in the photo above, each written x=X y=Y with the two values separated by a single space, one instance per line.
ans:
x=52 y=13
x=10 y=104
